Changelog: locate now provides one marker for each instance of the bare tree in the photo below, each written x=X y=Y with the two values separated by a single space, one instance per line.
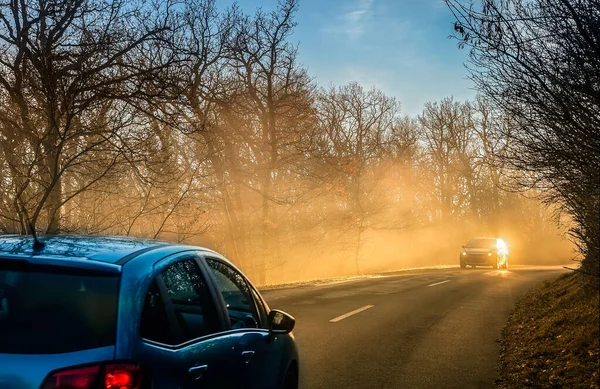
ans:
x=68 y=70
x=180 y=121
x=357 y=132
x=539 y=62
x=265 y=64
x=490 y=127
x=449 y=136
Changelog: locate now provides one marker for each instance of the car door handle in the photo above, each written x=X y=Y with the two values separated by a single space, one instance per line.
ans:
x=247 y=355
x=197 y=371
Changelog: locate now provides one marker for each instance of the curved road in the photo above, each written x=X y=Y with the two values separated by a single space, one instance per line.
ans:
x=413 y=329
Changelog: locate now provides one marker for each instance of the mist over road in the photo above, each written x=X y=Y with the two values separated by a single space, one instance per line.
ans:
x=417 y=329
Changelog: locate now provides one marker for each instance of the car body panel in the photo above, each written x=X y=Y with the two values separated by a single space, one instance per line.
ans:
x=51 y=260
x=269 y=350
x=139 y=262
x=495 y=256
x=27 y=371
x=109 y=249
x=174 y=365
x=477 y=256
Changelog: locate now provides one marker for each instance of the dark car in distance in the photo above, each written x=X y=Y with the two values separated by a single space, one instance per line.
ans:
x=484 y=252
x=81 y=312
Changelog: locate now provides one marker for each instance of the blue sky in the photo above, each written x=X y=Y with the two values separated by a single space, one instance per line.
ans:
x=399 y=46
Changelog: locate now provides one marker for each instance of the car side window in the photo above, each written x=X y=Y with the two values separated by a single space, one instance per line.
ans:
x=154 y=324
x=236 y=294
x=187 y=309
x=262 y=311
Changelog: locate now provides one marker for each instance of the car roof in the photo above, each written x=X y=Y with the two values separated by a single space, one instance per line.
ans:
x=108 y=249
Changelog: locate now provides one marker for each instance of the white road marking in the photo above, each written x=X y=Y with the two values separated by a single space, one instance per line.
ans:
x=351 y=313
x=439 y=283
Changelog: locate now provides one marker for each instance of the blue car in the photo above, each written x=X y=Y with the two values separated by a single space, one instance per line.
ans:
x=82 y=312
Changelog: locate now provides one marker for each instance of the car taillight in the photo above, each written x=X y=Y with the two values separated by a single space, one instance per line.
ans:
x=108 y=376
x=122 y=377
x=80 y=378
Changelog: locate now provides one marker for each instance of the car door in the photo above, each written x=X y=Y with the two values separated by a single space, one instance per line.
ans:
x=257 y=347
x=183 y=342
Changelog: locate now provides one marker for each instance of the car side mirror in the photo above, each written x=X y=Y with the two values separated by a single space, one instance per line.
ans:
x=280 y=322
x=463 y=246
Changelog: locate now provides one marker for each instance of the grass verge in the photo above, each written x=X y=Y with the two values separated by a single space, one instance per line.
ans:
x=551 y=338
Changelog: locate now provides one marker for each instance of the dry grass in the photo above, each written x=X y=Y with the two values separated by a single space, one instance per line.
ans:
x=551 y=339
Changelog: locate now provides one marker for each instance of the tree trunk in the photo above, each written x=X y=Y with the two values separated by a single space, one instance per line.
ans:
x=53 y=206
x=357 y=253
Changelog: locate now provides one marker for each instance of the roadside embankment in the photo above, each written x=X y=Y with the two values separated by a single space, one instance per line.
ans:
x=551 y=339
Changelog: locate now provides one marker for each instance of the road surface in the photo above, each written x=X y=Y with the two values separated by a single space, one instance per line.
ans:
x=417 y=329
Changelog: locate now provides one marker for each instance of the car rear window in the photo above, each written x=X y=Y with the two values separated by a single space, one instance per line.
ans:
x=56 y=311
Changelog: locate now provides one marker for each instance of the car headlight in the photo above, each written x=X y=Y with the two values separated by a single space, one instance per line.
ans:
x=464 y=253
x=489 y=254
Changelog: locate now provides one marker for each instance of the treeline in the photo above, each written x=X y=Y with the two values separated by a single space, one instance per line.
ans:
x=179 y=121
x=539 y=62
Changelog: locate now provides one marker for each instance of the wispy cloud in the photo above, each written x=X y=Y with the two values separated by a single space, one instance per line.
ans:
x=353 y=20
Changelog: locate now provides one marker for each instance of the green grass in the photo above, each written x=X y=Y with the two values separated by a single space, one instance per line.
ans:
x=551 y=338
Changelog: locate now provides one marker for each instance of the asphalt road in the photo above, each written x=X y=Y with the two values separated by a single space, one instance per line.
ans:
x=417 y=329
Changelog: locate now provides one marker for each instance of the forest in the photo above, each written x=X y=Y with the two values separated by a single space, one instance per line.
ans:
x=181 y=121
